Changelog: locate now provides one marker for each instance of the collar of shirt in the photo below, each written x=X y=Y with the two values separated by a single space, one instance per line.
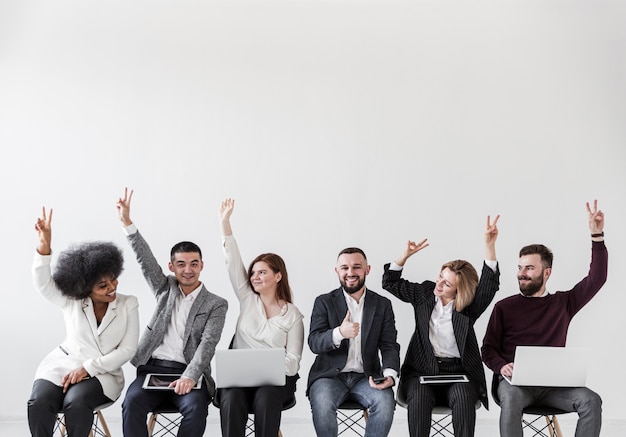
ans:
x=441 y=308
x=356 y=308
x=191 y=296
x=545 y=293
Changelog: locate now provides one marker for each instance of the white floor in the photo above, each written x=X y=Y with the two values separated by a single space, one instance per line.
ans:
x=304 y=428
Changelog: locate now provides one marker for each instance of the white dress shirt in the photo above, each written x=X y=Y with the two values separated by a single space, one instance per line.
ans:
x=172 y=346
x=440 y=332
x=354 y=363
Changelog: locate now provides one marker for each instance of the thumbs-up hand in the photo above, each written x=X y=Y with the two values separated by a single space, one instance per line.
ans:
x=349 y=329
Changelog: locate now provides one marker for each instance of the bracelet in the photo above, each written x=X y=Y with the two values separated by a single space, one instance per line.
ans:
x=601 y=234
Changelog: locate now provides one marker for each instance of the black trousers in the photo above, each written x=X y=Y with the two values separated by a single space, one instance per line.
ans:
x=78 y=404
x=265 y=403
x=460 y=397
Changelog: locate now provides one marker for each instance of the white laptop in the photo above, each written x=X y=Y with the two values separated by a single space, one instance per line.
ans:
x=550 y=366
x=249 y=367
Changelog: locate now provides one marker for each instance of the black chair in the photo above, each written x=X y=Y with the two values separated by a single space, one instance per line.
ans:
x=439 y=426
x=536 y=425
x=99 y=428
x=164 y=421
x=349 y=415
x=250 y=423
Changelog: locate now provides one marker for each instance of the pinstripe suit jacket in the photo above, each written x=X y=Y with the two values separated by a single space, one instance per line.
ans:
x=204 y=323
x=420 y=359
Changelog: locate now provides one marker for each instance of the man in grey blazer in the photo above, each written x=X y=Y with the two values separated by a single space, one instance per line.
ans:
x=350 y=326
x=180 y=338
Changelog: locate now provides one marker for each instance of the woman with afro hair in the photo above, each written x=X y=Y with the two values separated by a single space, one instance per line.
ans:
x=102 y=330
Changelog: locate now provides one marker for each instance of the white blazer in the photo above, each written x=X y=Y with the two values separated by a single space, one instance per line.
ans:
x=101 y=350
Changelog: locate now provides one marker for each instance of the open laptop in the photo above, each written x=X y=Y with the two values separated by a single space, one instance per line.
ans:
x=550 y=366
x=249 y=367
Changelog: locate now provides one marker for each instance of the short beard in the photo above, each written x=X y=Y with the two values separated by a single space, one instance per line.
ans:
x=533 y=287
x=352 y=290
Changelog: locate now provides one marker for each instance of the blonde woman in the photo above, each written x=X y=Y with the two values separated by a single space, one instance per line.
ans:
x=444 y=341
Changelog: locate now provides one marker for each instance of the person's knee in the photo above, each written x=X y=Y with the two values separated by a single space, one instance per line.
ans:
x=509 y=396
x=591 y=402
x=197 y=407
x=321 y=400
x=321 y=408
x=464 y=397
x=132 y=403
x=383 y=403
x=231 y=399
x=37 y=403
x=267 y=399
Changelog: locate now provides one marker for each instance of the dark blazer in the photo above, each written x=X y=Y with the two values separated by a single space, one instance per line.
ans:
x=420 y=359
x=378 y=334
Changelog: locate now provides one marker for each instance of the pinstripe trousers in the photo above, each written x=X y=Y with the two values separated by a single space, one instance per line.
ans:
x=460 y=397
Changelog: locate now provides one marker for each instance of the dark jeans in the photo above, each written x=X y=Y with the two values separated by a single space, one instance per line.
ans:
x=78 y=404
x=138 y=403
x=266 y=403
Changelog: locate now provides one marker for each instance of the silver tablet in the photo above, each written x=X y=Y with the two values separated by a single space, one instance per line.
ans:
x=161 y=381
x=443 y=379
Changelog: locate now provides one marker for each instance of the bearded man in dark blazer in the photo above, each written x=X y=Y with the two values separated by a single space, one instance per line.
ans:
x=350 y=328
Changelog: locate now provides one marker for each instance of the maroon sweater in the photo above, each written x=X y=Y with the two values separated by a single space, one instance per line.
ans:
x=539 y=321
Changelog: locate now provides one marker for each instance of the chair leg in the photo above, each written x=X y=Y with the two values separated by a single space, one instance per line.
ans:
x=62 y=427
x=151 y=421
x=553 y=426
x=557 y=427
x=100 y=427
x=350 y=420
x=167 y=426
x=441 y=426
x=249 y=426
x=549 y=425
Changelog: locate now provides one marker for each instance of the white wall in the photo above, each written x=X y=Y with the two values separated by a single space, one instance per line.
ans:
x=331 y=123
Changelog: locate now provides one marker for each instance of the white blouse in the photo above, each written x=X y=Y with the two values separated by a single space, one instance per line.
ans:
x=441 y=332
x=254 y=329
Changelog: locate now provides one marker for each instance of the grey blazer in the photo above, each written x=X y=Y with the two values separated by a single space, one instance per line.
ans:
x=204 y=324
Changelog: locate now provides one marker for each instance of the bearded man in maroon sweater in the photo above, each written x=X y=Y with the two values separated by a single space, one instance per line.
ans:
x=537 y=318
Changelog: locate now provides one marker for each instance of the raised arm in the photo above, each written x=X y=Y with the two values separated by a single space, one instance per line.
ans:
x=42 y=275
x=411 y=248
x=43 y=226
x=596 y=222
x=123 y=207
x=226 y=209
x=404 y=290
x=491 y=235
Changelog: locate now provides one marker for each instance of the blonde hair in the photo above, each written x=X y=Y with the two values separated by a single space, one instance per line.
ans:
x=466 y=282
